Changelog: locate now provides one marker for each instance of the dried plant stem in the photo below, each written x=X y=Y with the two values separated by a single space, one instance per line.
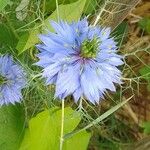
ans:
x=99 y=14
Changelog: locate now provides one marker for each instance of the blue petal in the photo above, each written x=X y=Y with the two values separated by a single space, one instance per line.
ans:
x=108 y=45
x=53 y=46
x=52 y=70
x=67 y=82
x=64 y=30
x=77 y=94
x=93 y=32
x=105 y=33
x=90 y=88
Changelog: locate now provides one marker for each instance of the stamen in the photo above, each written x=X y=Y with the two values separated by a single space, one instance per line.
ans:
x=89 y=48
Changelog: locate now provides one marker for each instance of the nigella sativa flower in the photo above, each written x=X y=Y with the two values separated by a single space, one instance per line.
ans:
x=12 y=80
x=80 y=60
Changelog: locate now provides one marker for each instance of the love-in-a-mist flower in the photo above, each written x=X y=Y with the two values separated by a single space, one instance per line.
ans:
x=12 y=80
x=80 y=60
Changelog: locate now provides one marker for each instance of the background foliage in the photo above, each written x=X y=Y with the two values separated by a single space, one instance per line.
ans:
x=36 y=121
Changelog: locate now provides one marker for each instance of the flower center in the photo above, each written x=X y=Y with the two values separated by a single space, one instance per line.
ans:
x=89 y=48
x=2 y=80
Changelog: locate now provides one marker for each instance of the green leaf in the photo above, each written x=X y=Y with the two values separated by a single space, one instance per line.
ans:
x=68 y=12
x=7 y=37
x=25 y=143
x=90 y=6
x=78 y=141
x=3 y=4
x=99 y=119
x=145 y=24
x=120 y=32
x=27 y=40
x=44 y=131
x=11 y=127
x=146 y=126
x=145 y=72
x=50 y=5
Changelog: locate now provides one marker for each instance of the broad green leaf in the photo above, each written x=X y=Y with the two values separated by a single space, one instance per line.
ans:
x=3 y=4
x=90 y=6
x=68 y=12
x=26 y=142
x=77 y=142
x=145 y=72
x=11 y=127
x=50 y=5
x=26 y=40
x=44 y=131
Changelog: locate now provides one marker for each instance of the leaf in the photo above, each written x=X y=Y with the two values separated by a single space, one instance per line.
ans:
x=120 y=32
x=145 y=72
x=21 y=10
x=25 y=143
x=99 y=119
x=3 y=4
x=90 y=6
x=78 y=141
x=68 y=12
x=27 y=40
x=7 y=37
x=146 y=126
x=145 y=24
x=50 y=5
x=44 y=131
x=11 y=127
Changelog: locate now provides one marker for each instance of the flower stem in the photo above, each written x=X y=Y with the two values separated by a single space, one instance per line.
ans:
x=57 y=10
x=62 y=126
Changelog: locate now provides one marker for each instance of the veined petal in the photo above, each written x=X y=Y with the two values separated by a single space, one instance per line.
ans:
x=105 y=33
x=90 y=88
x=67 y=82
x=64 y=30
x=54 y=47
x=52 y=70
x=77 y=94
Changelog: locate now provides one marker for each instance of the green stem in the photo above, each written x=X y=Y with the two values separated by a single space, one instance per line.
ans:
x=62 y=126
x=43 y=7
x=57 y=9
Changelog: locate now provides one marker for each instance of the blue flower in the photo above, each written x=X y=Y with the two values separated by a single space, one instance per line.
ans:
x=12 y=80
x=80 y=60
